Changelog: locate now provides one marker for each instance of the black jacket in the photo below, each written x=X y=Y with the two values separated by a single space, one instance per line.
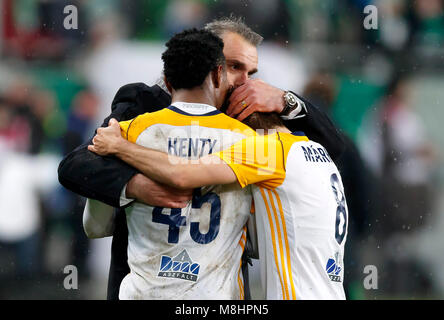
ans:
x=103 y=178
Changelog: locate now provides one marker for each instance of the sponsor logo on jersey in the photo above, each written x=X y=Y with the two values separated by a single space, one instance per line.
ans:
x=179 y=267
x=333 y=268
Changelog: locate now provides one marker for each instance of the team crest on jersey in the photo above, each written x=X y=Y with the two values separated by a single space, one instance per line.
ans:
x=333 y=268
x=179 y=267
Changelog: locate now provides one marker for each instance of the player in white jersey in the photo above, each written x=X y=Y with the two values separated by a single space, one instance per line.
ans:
x=300 y=207
x=194 y=252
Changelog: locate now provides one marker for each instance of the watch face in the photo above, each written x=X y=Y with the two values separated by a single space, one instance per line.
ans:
x=291 y=99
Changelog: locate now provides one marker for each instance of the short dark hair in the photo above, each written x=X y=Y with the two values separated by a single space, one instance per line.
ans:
x=236 y=25
x=190 y=56
x=261 y=120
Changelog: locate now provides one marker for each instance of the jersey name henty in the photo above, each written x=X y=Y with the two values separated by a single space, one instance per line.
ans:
x=194 y=252
x=300 y=211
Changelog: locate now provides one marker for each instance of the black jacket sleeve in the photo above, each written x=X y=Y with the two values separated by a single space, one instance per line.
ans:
x=103 y=178
x=318 y=127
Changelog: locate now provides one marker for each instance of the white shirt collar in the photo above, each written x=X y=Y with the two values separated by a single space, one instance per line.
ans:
x=193 y=108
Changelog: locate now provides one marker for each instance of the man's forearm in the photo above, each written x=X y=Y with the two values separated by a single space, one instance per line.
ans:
x=154 y=164
x=171 y=170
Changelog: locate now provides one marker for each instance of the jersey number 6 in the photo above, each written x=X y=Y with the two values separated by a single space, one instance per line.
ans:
x=341 y=210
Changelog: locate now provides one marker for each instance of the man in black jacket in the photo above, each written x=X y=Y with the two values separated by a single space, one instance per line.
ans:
x=115 y=183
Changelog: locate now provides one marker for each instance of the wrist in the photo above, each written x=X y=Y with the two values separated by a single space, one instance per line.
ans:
x=280 y=101
x=291 y=105
x=119 y=147
x=125 y=197
x=131 y=189
x=130 y=193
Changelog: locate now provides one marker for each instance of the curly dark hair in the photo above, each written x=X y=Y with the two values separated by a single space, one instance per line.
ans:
x=190 y=56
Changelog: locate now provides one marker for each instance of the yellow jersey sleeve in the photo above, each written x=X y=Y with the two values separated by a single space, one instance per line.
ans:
x=124 y=126
x=131 y=129
x=257 y=160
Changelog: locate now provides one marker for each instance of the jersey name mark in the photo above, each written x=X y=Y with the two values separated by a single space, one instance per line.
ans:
x=190 y=147
x=313 y=154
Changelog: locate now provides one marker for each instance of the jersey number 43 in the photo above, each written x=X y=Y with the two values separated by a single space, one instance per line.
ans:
x=175 y=220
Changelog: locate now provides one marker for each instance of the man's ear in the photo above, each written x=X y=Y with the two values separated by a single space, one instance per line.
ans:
x=216 y=76
x=168 y=85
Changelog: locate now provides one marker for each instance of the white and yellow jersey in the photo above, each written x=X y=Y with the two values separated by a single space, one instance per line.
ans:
x=300 y=211
x=194 y=252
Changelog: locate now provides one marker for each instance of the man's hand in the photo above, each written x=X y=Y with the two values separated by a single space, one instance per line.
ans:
x=255 y=95
x=155 y=194
x=110 y=141
x=107 y=140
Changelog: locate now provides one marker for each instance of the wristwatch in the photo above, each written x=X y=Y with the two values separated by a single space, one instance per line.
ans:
x=292 y=106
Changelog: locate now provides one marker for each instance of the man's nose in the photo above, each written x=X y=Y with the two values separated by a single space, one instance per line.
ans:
x=241 y=79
